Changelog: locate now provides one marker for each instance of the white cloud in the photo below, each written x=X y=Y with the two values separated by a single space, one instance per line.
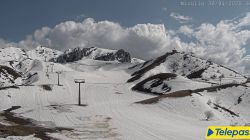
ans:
x=245 y=21
x=186 y=30
x=5 y=44
x=142 y=40
x=180 y=18
x=221 y=42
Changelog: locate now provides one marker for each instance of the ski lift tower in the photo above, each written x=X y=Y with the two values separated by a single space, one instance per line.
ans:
x=79 y=81
x=58 y=79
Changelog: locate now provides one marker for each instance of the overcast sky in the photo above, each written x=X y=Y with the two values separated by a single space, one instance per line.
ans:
x=216 y=29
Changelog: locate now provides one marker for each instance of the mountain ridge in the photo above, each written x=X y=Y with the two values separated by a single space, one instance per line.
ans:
x=187 y=66
x=94 y=53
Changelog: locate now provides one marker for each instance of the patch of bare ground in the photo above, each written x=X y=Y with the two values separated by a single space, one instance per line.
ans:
x=196 y=74
x=47 y=87
x=118 y=93
x=138 y=74
x=176 y=94
x=184 y=93
x=158 y=80
x=217 y=88
x=8 y=87
x=216 y=106
x=94 y=127
x=7 y=70
x=24 y=127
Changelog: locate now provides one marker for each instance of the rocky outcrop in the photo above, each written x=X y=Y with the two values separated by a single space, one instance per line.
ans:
x=120 y=56
x=8 y=76
x=76 y=54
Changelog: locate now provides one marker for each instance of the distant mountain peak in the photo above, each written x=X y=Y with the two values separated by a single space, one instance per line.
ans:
x=186 y=65
x=43 y=53
x=94 y=53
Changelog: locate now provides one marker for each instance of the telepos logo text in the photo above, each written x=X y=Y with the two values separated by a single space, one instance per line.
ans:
x=228 y=132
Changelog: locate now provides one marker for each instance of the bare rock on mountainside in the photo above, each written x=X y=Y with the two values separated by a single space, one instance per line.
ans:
x=183 y=64
x=76 y=54
x=8 y=76
x=187 y=67
x=155 y=84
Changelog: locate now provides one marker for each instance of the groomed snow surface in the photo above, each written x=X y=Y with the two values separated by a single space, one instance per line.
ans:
x=111 y=113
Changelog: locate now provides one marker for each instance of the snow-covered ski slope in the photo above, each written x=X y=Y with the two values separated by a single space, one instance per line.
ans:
x=111 y=112
x=108 y=98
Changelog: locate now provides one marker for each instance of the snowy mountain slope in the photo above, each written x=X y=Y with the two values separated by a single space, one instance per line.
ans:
x=95 y=53
x=111 y=109
x=19 y=59
x=8 y=76
x=43 y=53
x=20 y=73
x=184 y=65
x=229 y=104
x=27 y=63
x=137 y=61
x=164 y=83
x=111 y=112
x=12 y=54
x=14 y=64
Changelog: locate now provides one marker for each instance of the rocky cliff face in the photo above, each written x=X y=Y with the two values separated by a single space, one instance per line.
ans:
x=76 y=54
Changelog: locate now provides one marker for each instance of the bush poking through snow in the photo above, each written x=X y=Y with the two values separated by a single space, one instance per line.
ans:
x=209 y=102
x=47 y=87
x=208 y=115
